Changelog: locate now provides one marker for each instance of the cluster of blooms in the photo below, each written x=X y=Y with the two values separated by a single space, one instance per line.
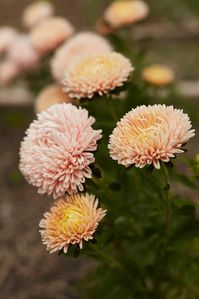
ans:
x=59 y=146
x=23 y=51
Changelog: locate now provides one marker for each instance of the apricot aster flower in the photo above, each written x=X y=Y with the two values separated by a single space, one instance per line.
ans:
x=7 y=34
x=57 y=150
x=81 y=45
x=148 y=135
x=125 y=12
x=22 y=53
x=50 y=95
x=50 y=33
x=158 y=74
x=97 y=74
x=36 y=12
x=72 y=220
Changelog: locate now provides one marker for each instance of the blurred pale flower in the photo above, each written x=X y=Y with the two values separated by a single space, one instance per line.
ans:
x=7 y=35
x=50 y=33
x=158 y=74
x=9 y=71
x=123 y=13
x=97 y=74
x=22 y=53
x=57 y=150
x=148 y=135
x=36 y=12
x=72 y=220
x=82 y=44
x=50 y=95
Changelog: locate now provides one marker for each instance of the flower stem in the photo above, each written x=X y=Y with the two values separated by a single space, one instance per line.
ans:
x=167 y=198
x=112 y=262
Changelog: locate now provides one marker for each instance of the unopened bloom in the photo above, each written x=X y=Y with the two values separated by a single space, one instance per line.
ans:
x=97 y=74
x=81 y=45
x=7 y=35
x=23 y=53
x=123 y=13
x=50 y=33
x=9 y=71
x=57 y=150
x=148 y=135
x=36 y=12
x=72 y=220
x=158 y=74
x=50 y=95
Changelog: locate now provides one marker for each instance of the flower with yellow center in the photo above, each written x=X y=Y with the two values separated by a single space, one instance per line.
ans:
x=50 y=95
x=97 y=74
x=123 y=13
x=79 y=46
x=158 y=74
x=148 y=135
x=71 y=221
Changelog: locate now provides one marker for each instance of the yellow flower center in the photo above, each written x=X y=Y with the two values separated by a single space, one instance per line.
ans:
x=71 y=217
x=93 y=66
x=142 y=128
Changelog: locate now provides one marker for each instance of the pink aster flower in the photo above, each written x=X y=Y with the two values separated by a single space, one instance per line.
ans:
x=72 y=220
x=36 y=12
x=23 y=54
x=7 y=35
x=50 y=95
x=50 y=33
x=97 y=74
x=125 y=12
x=57 y=150
x=81 y=45
x=9 y=71
x=148 y=135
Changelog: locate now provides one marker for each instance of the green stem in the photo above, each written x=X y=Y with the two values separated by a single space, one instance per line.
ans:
x=111 y=262
x=167 y=198
x=112 y=109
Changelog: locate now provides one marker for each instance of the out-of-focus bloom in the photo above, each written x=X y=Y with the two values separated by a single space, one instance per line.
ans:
x=81 y=45
x=50 y=95
x=49 y=34
x=123 y=13
x=7 y=35
x=57 y=150
x=8 y=72
x=37 y=12
x=22 y=53
x=72 y=220
x=148 y=135
x=158 y=74
x=97 y=74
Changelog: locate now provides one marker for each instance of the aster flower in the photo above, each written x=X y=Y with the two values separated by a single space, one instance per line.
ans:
x=36 y=12
x=72 y=220
x=50 y=95
x=22 y=53
x=57 y=150
x=158 y=74
x=148 y=135
x=8 y=71
x=50 y=33
x=81 y=45
x=123 y=13
x=97 y=74
x=7 y=34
